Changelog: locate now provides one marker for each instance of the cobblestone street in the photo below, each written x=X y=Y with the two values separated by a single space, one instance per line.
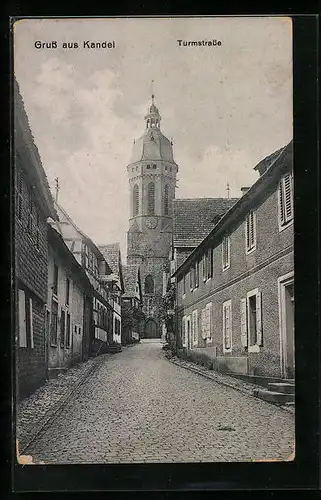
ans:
x=139 y=407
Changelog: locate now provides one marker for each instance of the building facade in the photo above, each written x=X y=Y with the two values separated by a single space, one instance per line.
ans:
x=152 y=180
x=33 y=205
x=133 y=319
x=115 y=281
x=69 y=313
x=235 y=291
x=98 y=271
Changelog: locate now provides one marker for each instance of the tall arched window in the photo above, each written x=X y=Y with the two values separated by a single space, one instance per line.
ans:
x=166 y=200
x=149 y=284
x=151 y=199
x=135 y=200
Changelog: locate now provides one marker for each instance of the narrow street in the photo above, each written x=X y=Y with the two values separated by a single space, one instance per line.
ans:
x=139 y=407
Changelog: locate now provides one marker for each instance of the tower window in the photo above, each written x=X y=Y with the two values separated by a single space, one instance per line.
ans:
x=154 y=166
x=148 y=166
x=151 y=199
x=166 y=200
x=149 y=284
x=135 y=200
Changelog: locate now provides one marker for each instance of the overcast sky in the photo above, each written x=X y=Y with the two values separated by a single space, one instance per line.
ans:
x=226 y=107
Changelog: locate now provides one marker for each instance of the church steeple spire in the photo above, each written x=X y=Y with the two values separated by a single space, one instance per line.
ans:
x=153 y=117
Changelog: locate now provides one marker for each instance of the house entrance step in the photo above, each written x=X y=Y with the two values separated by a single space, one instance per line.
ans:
x=273 y=396
x=283 y=387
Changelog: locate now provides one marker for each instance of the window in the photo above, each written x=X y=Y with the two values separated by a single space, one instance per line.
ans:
x=184 y=284
x=209 y=263
x=62 y=327
x=149 y=284
x=151 y=198
x=55 y=280
x=250 y=231
x=191 y=279
x=67 y=291
x=184 y=331
x=166 y=200
x=286 y=200
x=195 y=327
x=204 y=261
x=25 y=311
x=148 y=166
x=251 y=321
x=68 y=331
x=226 y=252
x=206 y=322
x=227 y=326
x=154 y=166
x=54 y=323
x=196 y=274
x=135 y=199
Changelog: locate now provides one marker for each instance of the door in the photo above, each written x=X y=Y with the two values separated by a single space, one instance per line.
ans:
x=287 y=327
x=150 y=329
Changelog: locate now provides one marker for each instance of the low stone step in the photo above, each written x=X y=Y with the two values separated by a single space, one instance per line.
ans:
x=284 y=387
x=273 y=396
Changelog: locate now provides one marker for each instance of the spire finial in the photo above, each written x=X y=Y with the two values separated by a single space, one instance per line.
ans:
x=228 y=189
x=57 y=187
x=152 y=90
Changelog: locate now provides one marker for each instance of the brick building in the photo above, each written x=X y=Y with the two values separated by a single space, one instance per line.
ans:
x=235 y=291
x=33 y=205
x=152 y=178
x=69 y=315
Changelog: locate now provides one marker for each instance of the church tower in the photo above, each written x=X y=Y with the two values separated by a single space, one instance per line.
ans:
x=152 y=180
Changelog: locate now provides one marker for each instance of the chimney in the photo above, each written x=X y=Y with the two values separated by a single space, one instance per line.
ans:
x=244 y=190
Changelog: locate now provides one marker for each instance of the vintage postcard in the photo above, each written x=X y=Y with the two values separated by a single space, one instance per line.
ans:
x=154 y=276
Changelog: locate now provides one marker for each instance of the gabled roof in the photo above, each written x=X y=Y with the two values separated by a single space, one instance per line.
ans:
x=24 y=143
x=131 y=280
x=193 y=218
x=111 y=254
x=89 y=241
x=56 y=240
x=264 y=164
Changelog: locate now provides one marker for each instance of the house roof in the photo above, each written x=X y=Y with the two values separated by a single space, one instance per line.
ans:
x=24 y=144
x=88 y=240
x=281 y=160
x=111 y=254
x=264 y=164
x=57 y=241
x=193 y=218
x=131 y=279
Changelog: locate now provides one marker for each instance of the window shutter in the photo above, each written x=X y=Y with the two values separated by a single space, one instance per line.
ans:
x=22 y=319
x=288 y=197
x=243 y=323
x=259 y=336
x=31 y=323
x=281 y=203
x=209 y=320
x=248 y=232
x=228 y=326
x=204 y=267
x=196 y=327
x=203 y=324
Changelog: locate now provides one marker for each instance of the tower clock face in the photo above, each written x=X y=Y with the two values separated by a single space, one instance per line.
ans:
x=151 y=222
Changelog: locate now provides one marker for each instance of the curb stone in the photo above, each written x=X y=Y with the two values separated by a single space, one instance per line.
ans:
x=58 y=406
x=243 y=387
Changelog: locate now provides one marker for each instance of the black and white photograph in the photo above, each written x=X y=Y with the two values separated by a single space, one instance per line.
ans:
x=153 y=233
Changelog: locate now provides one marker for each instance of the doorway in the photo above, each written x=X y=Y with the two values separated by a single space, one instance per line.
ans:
x=286 y=318
x=151 y=329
